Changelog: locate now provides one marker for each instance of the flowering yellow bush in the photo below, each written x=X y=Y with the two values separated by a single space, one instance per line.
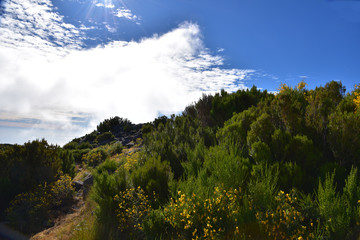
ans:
x=133 y=207
x=286 y=222
x=29 y=210
x=193 y=217
x=62 y=190
x=131 y=160
x=357 y=97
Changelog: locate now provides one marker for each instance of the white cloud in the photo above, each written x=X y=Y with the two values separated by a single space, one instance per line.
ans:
x=56 y=86
x=108 y=5
x=126 y=13
x=33 y=24
x=110 y=29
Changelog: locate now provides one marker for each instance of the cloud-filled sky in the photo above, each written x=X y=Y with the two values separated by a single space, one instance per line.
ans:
x=65 y=65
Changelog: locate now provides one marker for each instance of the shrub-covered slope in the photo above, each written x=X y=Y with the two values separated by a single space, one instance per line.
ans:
x=243 y=165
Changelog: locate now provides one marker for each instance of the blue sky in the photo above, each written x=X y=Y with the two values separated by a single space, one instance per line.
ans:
x=65 y=65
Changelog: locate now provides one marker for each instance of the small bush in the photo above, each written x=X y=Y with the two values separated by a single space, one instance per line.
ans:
x=95 y=157
x=332 y=207
x=262 y=186
x=222 y=216
x=132 y=208
x=61 y=191
x=116 y=148
x=78 y=154
x=71 y=145
x=85 y=145
x=105 y=137
x=106 y=187
x=153 y=177
x=286 y=221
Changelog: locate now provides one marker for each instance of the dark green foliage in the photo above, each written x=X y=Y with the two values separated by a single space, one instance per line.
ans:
x=68 y=162
x=344 y=137
x=104 y=138
x=109 y=165
x=90 y=137
x=225 y=104
x=147 y=128
x=30 y=211
x=79 y=153
x=260 y=130
x=106 y=186
x=85 y=145
x=332 y=208
x=153 y=178
x=263 y=186
x=226 y=168
x=25 y=166
x=155 y=224
x=108 y=125
x=71 y=145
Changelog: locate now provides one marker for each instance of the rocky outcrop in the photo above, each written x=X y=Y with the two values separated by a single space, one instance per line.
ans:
x=84 y=185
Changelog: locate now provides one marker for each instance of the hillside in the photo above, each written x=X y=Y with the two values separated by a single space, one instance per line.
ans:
x=242 y=165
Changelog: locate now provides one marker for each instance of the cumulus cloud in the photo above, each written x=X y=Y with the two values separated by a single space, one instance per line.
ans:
x=62 y=91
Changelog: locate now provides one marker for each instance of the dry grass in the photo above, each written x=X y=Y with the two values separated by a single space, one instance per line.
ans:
x=71 y=226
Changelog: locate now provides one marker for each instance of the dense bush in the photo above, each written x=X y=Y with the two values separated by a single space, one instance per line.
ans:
x=94 y=157
x=106 y=187
x=105 y=137
x=23 y=167
x=30 y=211
x=153 y=178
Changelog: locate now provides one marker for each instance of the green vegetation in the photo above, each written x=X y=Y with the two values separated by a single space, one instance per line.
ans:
x=243 y=165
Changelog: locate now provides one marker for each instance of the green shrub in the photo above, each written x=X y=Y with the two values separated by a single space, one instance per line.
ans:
x=28 y=211
x=286 y=221
x=227 y=169
x=153 y=177
x=133 y=206
x=61 y=191
x=106 y=187
x=116 y=148
x=85 y=145
x=68 y=162
x=154 y=225
x=71 y=145
x=95 y=157
x=78 y=154
x=263 y=186
x=332 y=208
x=105 y=137
x=109 y=165
x=225 y=215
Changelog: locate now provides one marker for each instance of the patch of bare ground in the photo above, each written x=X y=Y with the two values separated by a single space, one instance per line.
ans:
x=67 y=225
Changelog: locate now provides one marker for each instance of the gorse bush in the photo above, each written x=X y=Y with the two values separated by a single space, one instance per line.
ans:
x=286 y=221
x=221 y=216
x=133 y=205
